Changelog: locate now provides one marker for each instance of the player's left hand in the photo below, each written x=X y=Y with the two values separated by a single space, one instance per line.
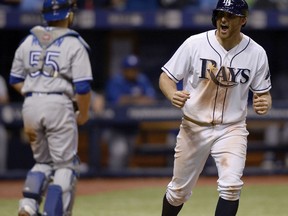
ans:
x=261 y=103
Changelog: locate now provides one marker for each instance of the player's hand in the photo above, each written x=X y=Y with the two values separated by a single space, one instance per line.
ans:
x=179 y=98
x=81 y=119
x=261 y=104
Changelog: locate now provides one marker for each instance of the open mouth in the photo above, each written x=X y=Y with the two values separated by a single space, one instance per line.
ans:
x=224 y=28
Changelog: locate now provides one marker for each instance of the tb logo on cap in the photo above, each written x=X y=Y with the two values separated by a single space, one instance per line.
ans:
x=227 y=2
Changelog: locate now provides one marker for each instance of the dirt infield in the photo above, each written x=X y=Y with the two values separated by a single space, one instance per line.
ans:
x=12 y=189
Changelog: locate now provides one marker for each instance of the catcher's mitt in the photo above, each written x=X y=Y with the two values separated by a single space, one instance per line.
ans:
x=75 y=106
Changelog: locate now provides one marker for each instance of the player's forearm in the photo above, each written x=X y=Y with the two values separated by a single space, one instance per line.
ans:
x=18 y=86
x=83 y=102
x=169 y=89
x=167 y=86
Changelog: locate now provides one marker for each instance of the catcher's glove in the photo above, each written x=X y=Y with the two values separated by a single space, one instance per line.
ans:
x=75 y=106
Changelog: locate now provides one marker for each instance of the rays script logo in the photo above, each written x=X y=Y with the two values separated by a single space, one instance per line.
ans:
x=224 y=76
x=227 y=3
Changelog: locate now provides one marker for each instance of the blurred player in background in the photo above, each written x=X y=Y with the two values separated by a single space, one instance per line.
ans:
x=127 y=88
x=218 y=68
x=4 y=99
x=51 y=69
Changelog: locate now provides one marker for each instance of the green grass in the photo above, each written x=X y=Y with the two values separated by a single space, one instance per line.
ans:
x=256 y=200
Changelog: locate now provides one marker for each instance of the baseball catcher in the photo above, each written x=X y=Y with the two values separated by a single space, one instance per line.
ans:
x=51 y=69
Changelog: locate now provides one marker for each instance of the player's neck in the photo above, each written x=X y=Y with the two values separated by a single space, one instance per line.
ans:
x=59 y=24
x=229 y=42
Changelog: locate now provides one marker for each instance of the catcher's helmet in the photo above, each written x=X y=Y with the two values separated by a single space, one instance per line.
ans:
x=236 y=7
x=54 y=10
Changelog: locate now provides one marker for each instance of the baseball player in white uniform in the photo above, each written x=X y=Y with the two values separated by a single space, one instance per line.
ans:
x=51 y=69
x=218 y=68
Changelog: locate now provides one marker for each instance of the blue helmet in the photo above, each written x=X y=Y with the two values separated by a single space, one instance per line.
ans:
x=236 y=7
x=54 y=10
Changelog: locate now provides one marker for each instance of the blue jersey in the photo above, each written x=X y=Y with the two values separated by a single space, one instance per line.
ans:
x=118 y=86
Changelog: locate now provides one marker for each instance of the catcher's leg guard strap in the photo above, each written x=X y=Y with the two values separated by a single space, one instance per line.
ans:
x=33 y=185
x=53 y=204
x=67 y=179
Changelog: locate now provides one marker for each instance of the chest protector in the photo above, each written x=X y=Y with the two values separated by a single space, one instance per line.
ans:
x=46 y=37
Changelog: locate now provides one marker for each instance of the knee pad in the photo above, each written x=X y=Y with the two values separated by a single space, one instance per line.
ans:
x=34 y=185
x=53 y=204
x=72 y=164
x=66 y=178
x=230 y=193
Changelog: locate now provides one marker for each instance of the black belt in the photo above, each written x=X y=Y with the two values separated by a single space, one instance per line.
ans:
x=205 y=124
x=29 y=94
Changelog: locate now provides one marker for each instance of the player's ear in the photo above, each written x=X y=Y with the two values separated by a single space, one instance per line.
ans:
x=70 y=18
x=243 y=21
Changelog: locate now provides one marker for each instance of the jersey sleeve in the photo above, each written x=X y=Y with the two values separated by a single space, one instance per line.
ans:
x=262 y=80
x=17 y=70
x=179 y=63
x=81 y=66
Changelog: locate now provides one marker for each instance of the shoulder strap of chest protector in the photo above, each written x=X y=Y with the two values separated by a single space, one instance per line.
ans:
x=47 y=38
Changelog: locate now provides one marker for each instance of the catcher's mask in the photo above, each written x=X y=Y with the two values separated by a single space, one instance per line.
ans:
x=54 y=10
x=236 y=7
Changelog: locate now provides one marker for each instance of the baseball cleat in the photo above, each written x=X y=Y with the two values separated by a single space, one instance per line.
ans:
x=27 y=211
x=22 y=212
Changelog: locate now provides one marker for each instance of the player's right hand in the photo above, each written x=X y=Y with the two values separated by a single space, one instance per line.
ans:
x=179 y=98
x=81 y=119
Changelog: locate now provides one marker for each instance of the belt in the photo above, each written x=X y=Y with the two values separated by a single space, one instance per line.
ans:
x=206 y=124
x=29 y=94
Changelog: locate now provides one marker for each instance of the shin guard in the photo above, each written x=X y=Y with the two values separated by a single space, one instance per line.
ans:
x=53 y=204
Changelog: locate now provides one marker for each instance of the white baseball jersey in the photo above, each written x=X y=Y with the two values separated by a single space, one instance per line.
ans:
x=218 y=80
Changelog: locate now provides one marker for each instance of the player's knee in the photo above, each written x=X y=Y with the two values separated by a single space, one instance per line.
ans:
x=177 y=197
x=66 y=178
x=231 y=193
x=34 y=185
x=72 y=164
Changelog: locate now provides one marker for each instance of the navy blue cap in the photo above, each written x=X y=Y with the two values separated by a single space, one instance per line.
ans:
x=131 y=61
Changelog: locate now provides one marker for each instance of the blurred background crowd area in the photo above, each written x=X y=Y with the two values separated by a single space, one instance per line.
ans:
x=154 y=40
x=154 y=44
x=128 y=5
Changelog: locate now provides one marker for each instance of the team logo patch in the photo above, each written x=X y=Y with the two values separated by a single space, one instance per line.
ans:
x=227 y=3
x=46 y=37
